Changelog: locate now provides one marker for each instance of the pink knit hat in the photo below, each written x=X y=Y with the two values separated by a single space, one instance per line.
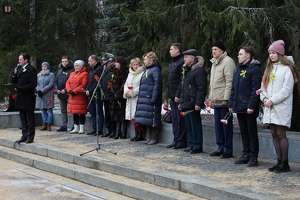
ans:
x=277 y=46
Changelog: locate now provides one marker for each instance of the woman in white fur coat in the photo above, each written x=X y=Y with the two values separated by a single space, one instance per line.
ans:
x=131 y=91
x=277 y=95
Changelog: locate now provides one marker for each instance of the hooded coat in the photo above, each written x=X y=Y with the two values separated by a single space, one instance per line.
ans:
x=45 y=83
x=194 y=85
x=148 y=110
x=246 y=80
x=133 y=80
x=77 y=81
x=280 y=92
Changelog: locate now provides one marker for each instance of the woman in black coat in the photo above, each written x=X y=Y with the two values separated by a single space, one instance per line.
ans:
x=148 y=110
x=117 y=103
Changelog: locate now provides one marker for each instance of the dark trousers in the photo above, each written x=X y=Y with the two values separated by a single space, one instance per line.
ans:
x=79 y=119
x=107 y=120
x=28 y=124
x=224 y=133
x=92 y=110
x=248 y=129
x=178 y=125
x=193 y=127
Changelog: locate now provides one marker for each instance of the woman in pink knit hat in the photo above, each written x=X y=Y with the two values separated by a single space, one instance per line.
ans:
x=277 y=95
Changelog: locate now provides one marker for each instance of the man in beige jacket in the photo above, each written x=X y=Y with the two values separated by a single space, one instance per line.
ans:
x=219 y=92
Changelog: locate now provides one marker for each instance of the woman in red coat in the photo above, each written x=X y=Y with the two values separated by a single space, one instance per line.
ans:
x=77 y=103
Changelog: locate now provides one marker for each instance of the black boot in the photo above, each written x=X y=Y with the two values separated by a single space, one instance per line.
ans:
x=271 y=169
x=118 y=132
x=136 y=134
x=108 y=132
x=140 y=136
x=283 y=167
x=124 y=132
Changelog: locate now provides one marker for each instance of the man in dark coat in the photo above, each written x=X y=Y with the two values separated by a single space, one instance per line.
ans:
x=245 y=102
x=94 y=77
x=105 y=95
x=174 y=80
x=66 y=68
x=192 y=97
x=25 y=78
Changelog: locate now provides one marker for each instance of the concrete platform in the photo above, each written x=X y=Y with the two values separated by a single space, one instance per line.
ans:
x=11 y=120
x=144 y=171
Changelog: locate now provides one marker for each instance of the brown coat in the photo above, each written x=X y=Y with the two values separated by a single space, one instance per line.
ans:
x=77 y=82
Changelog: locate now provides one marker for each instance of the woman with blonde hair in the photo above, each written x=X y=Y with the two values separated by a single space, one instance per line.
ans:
x=148 y=109
x=277 y=95
x=131 y=91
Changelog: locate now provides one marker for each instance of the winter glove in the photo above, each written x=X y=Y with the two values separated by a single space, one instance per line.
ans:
x=112 y=93
x=72 y=93
x=40 y=93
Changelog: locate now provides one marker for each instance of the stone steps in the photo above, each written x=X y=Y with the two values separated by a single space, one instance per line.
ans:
x=91 y=172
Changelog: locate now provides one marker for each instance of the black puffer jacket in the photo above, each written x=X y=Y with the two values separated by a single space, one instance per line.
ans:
x=174 y=77
x=148 y=109
x=193 y=86
x=61 y=78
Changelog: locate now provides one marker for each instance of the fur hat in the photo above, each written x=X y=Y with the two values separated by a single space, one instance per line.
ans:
x=107 y=56
x=219 y=44
x=277 y=46
x=79 y=62
x=192 y=52
x=47 y=64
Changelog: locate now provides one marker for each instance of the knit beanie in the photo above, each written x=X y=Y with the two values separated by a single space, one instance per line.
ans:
x=277 y=46
x=79 y=62
x=219 y=44
x=47 y=65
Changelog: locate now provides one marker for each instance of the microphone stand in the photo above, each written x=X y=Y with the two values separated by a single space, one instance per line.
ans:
x=95 y=97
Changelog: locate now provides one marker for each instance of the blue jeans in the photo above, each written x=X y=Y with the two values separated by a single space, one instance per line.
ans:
x=92 y=110
x=224 y=133
x=178 y=125
x=47 y=115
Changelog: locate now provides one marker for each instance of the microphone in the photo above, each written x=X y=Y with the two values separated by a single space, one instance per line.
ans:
x=109 y=60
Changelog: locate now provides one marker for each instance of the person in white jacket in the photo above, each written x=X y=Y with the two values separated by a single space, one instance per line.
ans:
x=277 y=95
x=131 y=91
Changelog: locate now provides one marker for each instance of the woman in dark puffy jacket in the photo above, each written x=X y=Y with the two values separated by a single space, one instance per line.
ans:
x=148 y=110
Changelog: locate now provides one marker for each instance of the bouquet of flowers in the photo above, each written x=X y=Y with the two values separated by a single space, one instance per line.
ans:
x=182 y=114
x=225 y=119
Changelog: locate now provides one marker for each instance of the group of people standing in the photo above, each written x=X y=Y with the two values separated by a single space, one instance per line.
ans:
x=233 y=89
x=134 y=95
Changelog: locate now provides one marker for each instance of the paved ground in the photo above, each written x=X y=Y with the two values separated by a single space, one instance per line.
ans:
x=255 y=180
x=18 y=181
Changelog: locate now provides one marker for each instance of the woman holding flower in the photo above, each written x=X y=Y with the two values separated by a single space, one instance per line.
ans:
x=45 y=95
x=131 y=91
x=117 y=103
x=277 y=95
